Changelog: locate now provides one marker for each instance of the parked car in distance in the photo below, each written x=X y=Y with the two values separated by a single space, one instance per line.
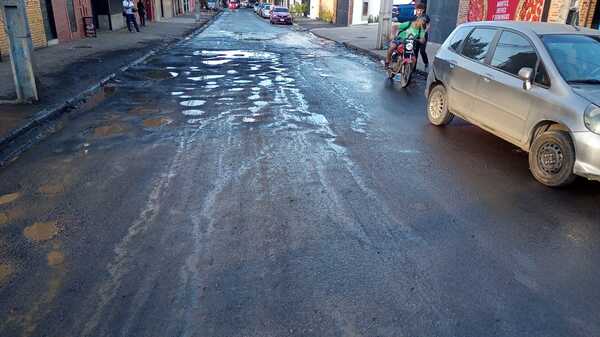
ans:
x=280 y=15
x=403 y=12
x=244 y=3
x=233 y=4
x=257 y=6
x=265 y=10
x=536 y=85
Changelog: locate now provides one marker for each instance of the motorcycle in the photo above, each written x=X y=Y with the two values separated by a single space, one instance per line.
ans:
x=403 y=61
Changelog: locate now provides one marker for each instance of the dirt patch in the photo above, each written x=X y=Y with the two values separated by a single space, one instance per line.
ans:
x=55 y=258
x=52 y=189
x=8 y=198
x=109 y=130
x=6 y=271
x=156 y=122
x=3 y=218
x=41 y=231
x=143 y=110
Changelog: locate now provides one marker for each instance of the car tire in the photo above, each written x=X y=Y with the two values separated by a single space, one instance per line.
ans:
x=552 y=158
x=437 y=107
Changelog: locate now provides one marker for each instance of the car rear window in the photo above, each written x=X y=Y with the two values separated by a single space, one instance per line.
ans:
x=458 y=37
x=476 y=46
x=281 y=10
x=513 y=52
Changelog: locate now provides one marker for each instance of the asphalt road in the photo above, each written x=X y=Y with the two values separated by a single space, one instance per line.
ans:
x=258 y=181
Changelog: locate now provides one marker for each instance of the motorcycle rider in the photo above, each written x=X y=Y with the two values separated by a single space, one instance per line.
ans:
x=415 y=28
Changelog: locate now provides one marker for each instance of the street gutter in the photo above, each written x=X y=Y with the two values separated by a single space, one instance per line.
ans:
x=13 y=144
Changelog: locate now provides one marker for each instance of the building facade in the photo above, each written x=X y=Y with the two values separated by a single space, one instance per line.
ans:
x=36 y=26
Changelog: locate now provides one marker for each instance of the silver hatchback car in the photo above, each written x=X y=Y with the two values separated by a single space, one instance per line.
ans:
x=536 y=85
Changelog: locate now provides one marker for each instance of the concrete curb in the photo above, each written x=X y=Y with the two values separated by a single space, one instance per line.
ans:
x=52 y=113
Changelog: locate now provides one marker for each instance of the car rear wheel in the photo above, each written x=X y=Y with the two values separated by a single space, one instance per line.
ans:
x=437 y=107
x=552 y=158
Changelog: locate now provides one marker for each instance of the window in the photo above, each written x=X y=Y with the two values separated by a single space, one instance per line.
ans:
x=458 y=37
x=513 y=52
x=575 y=56
x=541 y=76
x=478 y=43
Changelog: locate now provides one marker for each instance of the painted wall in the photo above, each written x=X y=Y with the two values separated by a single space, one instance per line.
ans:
x=443 y=16
x=36 y=26
x=68 y=16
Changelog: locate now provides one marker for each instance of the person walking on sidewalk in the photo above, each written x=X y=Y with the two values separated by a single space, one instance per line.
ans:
x=422 y=46
x=128 y=10
x=142 y=12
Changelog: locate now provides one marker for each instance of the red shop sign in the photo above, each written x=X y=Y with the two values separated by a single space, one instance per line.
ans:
x=500 y=10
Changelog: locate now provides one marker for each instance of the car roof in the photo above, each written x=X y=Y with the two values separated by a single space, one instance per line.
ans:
x=538 y=28
x=281 y=7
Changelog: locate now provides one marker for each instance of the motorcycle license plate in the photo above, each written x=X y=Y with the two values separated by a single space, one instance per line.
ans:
x=281 y=20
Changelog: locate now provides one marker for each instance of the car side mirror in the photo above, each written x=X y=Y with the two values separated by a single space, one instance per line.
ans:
x=526 y=74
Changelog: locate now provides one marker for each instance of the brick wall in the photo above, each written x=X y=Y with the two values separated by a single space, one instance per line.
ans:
x=558 y=11
x=586 y=12
x=36 y=25
x=463 y=11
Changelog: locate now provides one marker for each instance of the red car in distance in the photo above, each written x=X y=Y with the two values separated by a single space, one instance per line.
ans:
x=280 y=15
x=233 y=4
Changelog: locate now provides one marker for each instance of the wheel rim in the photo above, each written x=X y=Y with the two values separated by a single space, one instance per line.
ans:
x=437 y=104
x=551 y=158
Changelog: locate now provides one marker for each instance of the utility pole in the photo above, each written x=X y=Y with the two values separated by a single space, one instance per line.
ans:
x=385 y=20
x=197 y=9
x=20 y=47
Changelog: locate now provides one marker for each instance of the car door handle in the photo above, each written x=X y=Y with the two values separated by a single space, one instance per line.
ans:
x=487 y=78
x=452 y=64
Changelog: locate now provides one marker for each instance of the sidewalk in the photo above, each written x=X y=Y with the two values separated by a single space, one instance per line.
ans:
x=68 y=69
x=359 y=37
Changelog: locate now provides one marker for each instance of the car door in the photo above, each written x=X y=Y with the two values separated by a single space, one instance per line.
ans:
x=504 y=103
x=465 y=72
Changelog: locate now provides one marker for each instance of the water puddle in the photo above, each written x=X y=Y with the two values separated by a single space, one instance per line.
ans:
x=249 y=120
x=236 y=89
x=51 y=189
x=6 y=271
x=156 y=122
x=109 y=130
x=194 y=121
x=193 y=112
x=211 y=86
x=55 y=258
x=225 y=99
x=242 y=81
x=232 y=72
x=215 y=62
x=194 y=102
x=177 y=93
x=41 y=231
x=8 y=198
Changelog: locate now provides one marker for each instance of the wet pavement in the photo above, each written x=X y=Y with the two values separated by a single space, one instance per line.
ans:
x=258 y=181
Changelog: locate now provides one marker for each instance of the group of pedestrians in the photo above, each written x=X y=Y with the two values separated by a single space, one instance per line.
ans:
x=129 y=10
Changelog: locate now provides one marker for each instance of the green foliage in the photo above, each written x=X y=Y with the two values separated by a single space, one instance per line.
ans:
x=299 y=9
x=326 y=15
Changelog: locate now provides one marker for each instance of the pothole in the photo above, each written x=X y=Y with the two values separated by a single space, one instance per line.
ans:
x=156 y=122
x=109 y=130
x=41 y=231
x=8 y=198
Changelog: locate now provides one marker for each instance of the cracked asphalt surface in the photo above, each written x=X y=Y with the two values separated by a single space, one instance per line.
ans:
x=258 y=181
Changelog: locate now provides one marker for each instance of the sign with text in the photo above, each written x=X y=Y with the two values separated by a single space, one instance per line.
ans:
x=501 y=10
